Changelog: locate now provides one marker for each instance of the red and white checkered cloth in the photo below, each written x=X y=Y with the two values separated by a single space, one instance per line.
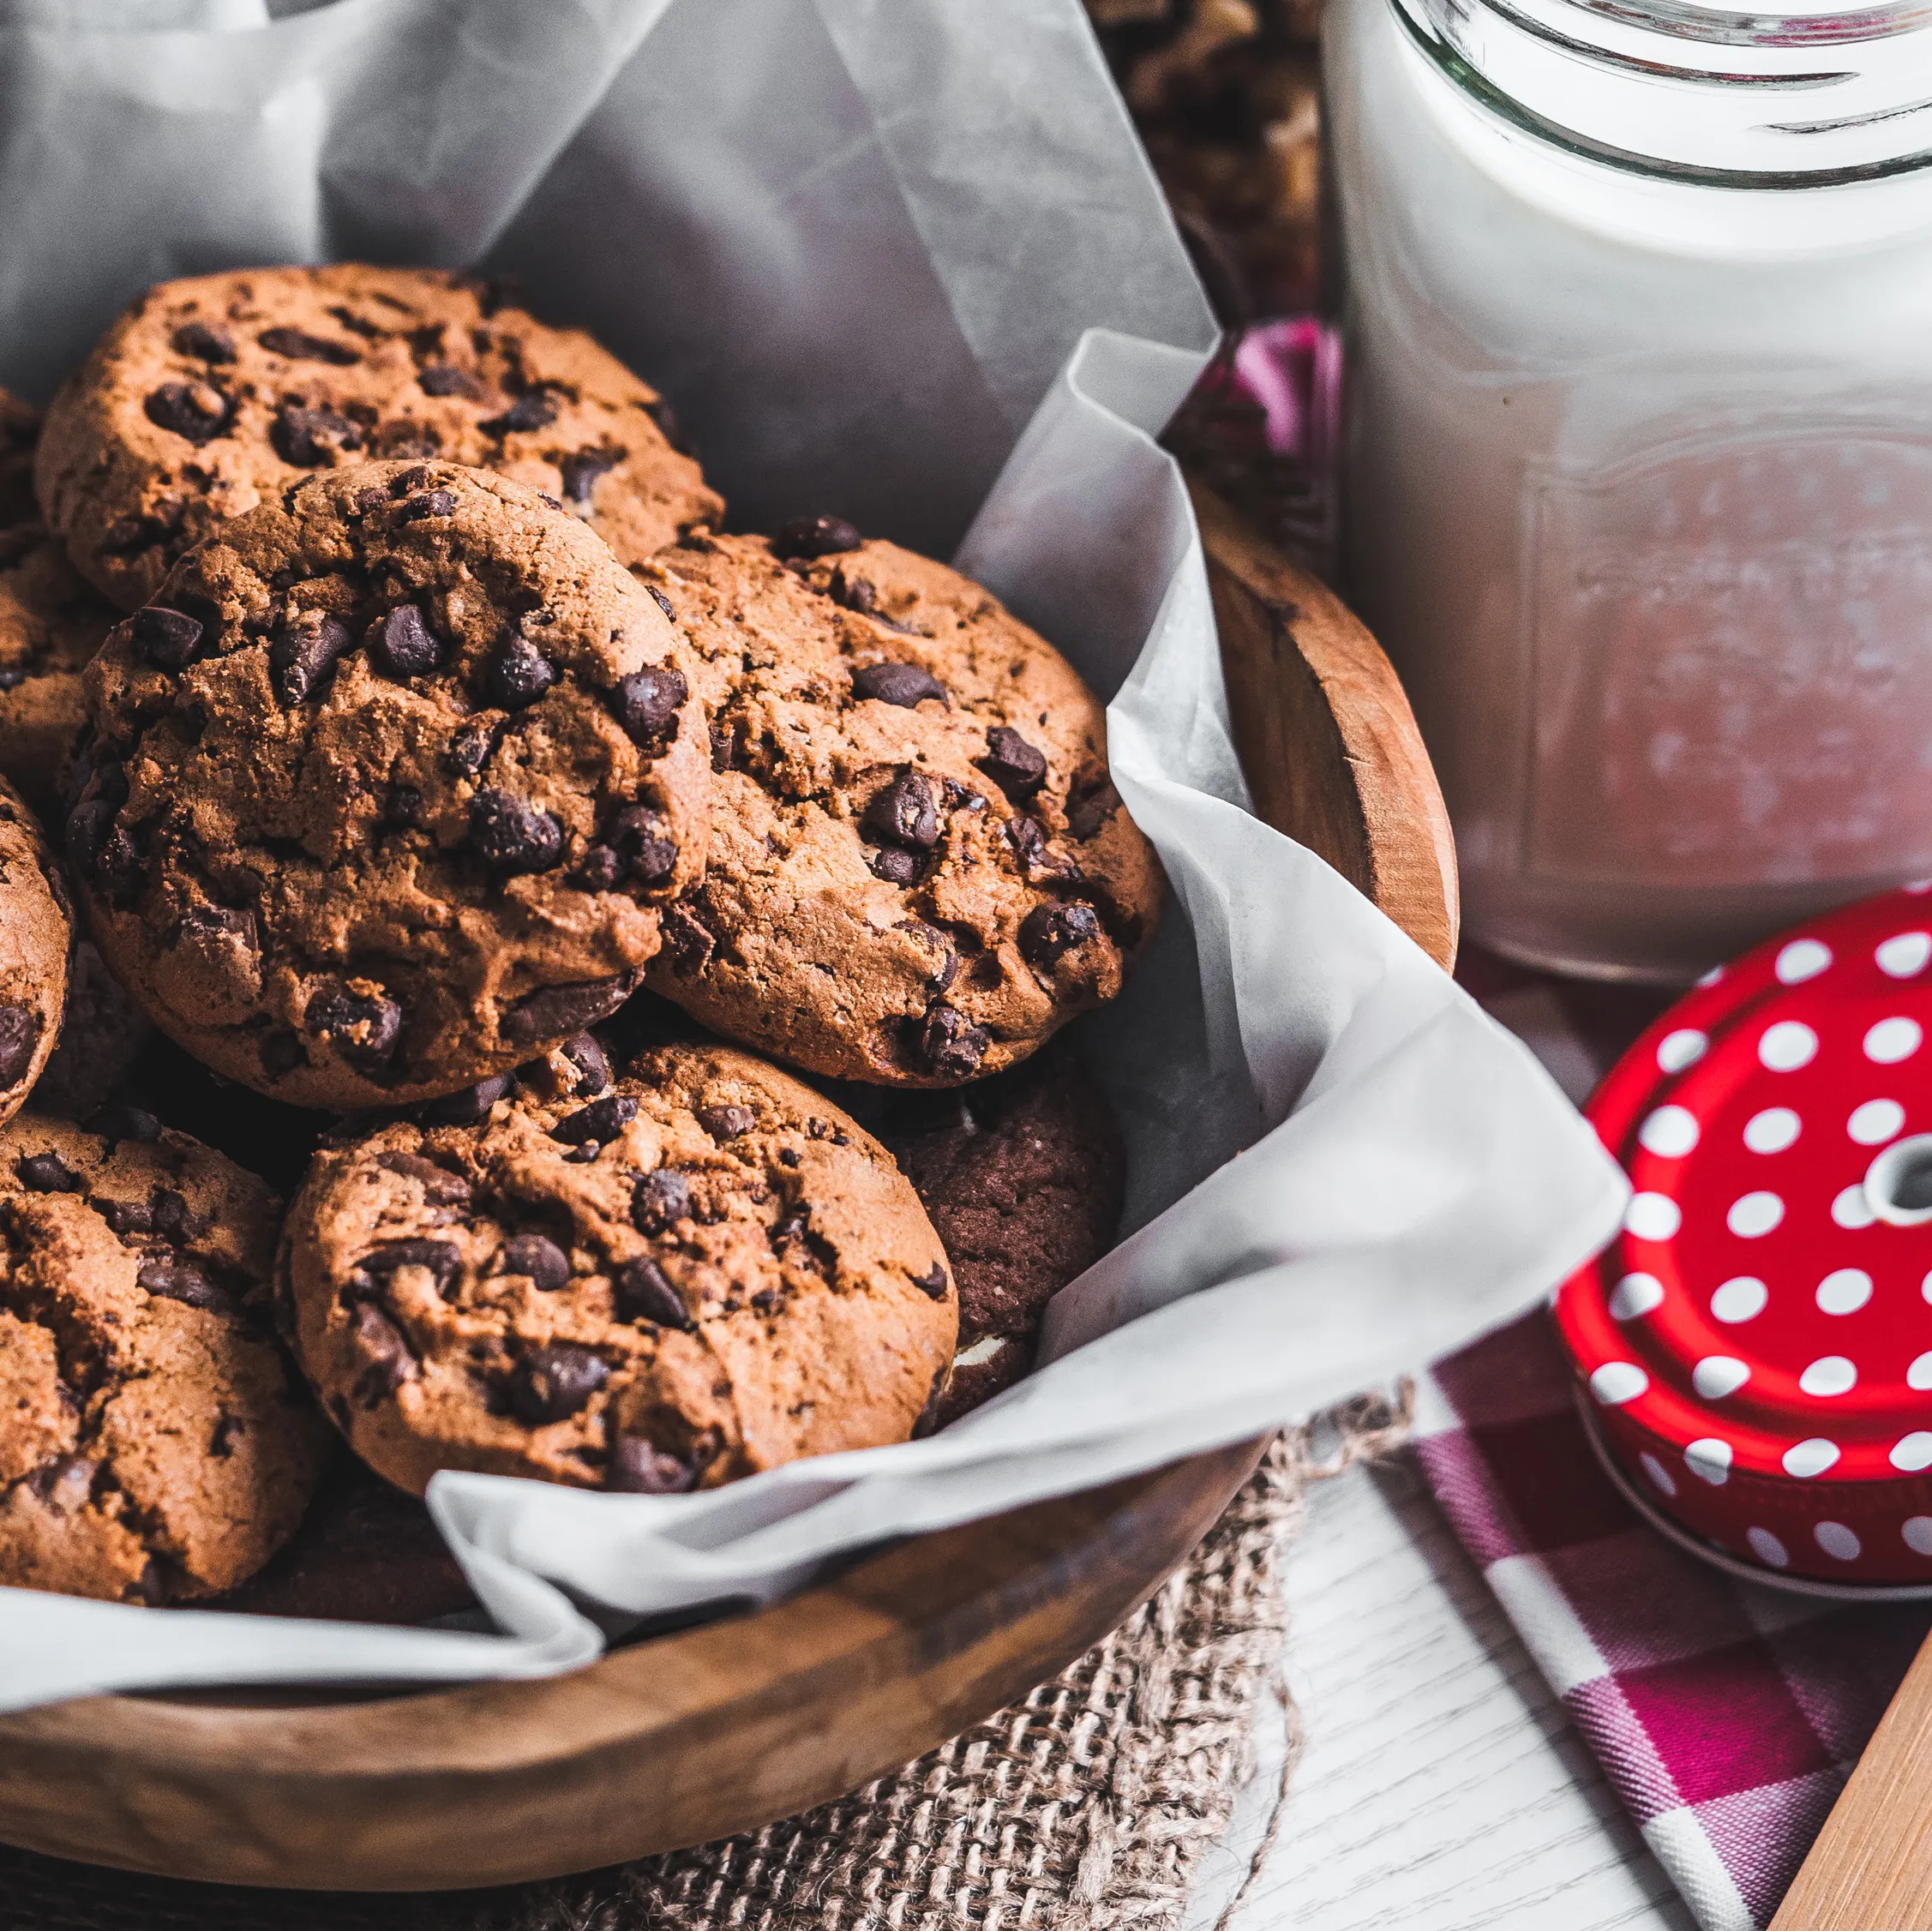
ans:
x=1726 y=1715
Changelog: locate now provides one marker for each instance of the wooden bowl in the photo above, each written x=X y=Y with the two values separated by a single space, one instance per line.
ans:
x=724 y=1728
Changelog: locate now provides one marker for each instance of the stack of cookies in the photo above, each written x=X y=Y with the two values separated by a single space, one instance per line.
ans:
x=637 y=946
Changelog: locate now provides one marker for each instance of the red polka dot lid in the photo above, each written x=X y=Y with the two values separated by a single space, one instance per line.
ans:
x=1756 y=1343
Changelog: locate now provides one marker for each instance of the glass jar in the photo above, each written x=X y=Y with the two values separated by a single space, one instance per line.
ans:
x=1638 y=464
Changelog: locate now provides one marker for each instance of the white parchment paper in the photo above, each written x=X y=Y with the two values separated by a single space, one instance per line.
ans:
x=904 y=263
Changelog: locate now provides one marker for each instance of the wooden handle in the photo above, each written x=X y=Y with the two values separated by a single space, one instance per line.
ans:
x=1871 y=1867
x=1325 y=735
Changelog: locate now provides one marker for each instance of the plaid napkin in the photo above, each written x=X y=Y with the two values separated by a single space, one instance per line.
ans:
x=1727 y=1716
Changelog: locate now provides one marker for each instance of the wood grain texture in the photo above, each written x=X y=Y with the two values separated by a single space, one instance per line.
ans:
x=724 y=1728
x=1870 y=1869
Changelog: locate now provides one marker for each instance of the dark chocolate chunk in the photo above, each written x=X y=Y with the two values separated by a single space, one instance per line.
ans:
x=309 y=438
x=431 y=502
x=301 y=660
x=1029 y=842
x=119 y=1120
x=365 y=1029
x=299 y=345
x=582 y=468
x=641 y=836
x=663 y=603
x=196 y=412
x=669 y=427
x=403 y=646
x=601 y=1120
x=689 y=939
x=536 y=410
x=587 y=1055
x=640 y=1292
x=519 y=673
x=442 y=1260
x=21 y=1027
x=175 y=1281
x=470 y=749
x=553 y=1383
x=204 y=341
x=897 y=865
x=902 y=684
x=402 y=805
x=468 y=1108
x=814 y=536
x=438 y=1184
x=168 y=638
x=391 y=1360
x=1092 y=809
x=544 y=1263
x=11 y=677
x=281 y=1052
x=933 y=1283
x=639 y=1468
x=648 y=702
x=48 y=1173
x=949 y=1046
x=1012 y=763
x=510 y=835
x=442 y=379
x=658 y=1199
x=566 y=1009
x=1049 y=932
x=726 y=1122
x=904 y=813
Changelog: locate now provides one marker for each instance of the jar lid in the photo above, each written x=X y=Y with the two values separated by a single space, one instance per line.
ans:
x=1756 y=1343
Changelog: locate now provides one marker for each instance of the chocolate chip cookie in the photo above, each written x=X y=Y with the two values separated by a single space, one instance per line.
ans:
x=919 y=867
x=210 y=395
x=1022 y=1177
x=389 y=788
x=654 y=1281
x=36 y=936
x=155 y=1446
x=102 y=1035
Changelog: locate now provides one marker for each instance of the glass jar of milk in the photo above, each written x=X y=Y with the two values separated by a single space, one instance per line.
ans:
x=1639 y=469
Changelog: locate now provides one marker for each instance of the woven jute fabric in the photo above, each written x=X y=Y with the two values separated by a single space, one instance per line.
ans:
x=1084 y=1807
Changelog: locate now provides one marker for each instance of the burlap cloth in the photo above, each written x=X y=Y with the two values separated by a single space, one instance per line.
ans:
x=1085 y=1806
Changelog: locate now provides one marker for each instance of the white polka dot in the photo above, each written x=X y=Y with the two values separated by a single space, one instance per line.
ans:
x=1719 y=1374
x=1709 y=1460
x=1712 y=976
x=1803 y=959
x=1919 y=1374
x=1754 y=1214
x=1634 y=1294
x=1652 y=1216
x=1618 y=1381
x=1925 y=1287
x=1787 y=1046
x=1670 y=1132
x=1810 y=1457
x=1850 y=1208
x=1659 y=1474
x=1912 y=1452
x=1766 y=1548
x=1918 y=887
x=1740 y=1299
x=1837 y=1541
x=1772 y=1130
x=1875 y=1122
x=1894 y=1040
x=1682 y=1048
x=1905 y=955
x=1844 y=1290
x=1829 y=1375
x=1917 y=1531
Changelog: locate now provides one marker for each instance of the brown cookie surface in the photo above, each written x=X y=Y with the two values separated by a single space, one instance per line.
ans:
x=662 y=1280
x=387 y=794
x=20 y=431
x=102 y=1035
x=210 y=395
x=36 y=939
x=155 y=1445
x=918 y=868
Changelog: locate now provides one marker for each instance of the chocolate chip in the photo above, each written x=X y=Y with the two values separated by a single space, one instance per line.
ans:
x=658 y=1199
x=815 y=536
x=640 y=1292
x=280 y=1053
x=21 y=1027
x=168 y=1216
x=662 y=601
x=432 y=502
x=1092 y=809
x=308 y=439
x=902 y=684
x=928 y=1419
x=301 y=346
x=405 y=646
x=442 y=379
x=196 y=412
x=904 y=813
x=641 y=836
x=438 y=1184
x=726 y=1122
x=11 y=679
x=1029 y=842
x=402 y=805
x=584 y=1155
x=648 y=702
x=510 y=835
x=536 y=410
x=554 y=1382
x=390 y=1361
x=854 y=593
x=545 y=1263
x=950 y=1045
x=554 y=1009
x=468 y=1108
x=365 y=1029
x=601 y=1120
x=1049 y=932
x=519 y=673
x=639 y=1468
x=584 y=1053
x=205 y=928
x=442 y=1261
x=721 y=748
x=119 y=1120
x=600 y=869
x=175 y=1281
x=1012 y=763
x=125 y=1217
x=301 y=660
x=168 y=638
x=669 y=427
x=470 y=749
x=126 y=534
x=204 y=341
x=689 y=939
x=582 y=469
x=48 y=1173
x=897 y=865
x=933 y=1283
